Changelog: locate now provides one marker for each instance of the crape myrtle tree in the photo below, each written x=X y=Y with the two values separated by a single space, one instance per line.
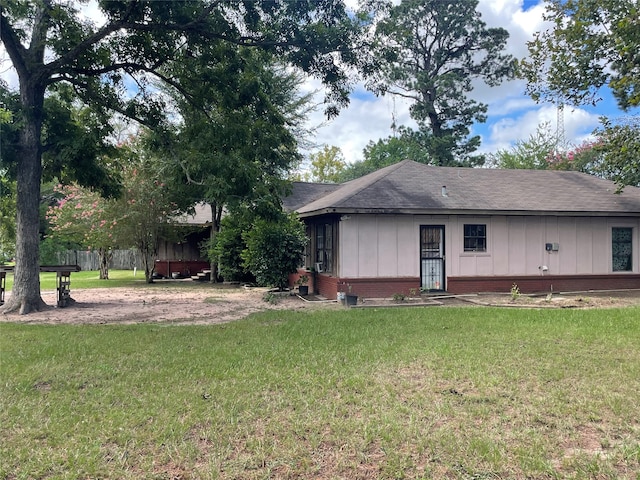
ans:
x=85 y=217
x=431 y=52
x=147 y=211
x=613 y=153
x=50 y=44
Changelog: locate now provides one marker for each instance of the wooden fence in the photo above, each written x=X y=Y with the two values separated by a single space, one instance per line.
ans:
x=87 y=260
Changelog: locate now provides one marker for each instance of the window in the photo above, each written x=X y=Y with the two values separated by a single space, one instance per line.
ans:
x=324 y=246
x=306 y=258
x=475 y=238
x=622 y=246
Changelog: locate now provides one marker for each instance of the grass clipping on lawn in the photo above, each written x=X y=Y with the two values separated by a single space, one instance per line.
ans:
x=454 y=393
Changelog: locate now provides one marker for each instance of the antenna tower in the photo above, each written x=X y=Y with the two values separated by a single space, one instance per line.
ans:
x=561 y=139
x=394 y=125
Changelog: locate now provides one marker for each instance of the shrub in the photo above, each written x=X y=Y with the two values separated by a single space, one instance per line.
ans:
x=274 y=249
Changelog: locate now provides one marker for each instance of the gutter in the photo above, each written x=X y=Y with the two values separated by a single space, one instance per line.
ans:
x=482 y=212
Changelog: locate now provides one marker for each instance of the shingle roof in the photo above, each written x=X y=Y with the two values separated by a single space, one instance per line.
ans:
x=303 y=193
x=411 y=187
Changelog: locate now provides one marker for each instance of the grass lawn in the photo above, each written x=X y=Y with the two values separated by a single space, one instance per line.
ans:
x=453 y=393
x=89 y=279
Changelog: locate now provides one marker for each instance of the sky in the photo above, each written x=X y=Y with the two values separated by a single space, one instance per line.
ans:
x=512 y=116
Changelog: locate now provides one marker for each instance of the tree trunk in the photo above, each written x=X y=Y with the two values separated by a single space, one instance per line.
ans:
x=216 y=218
x=149 y=251
x=25 y=296
x=104 y=257
x=149 y=267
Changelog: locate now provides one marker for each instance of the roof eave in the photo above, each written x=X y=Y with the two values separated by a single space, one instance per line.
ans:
x=476 y=212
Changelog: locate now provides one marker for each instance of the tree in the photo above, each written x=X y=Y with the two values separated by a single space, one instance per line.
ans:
x=147 y=208
x=619 y=145
x=327 y=165
x=407 y=145
x=237 y=150
x=614 y=154
x=136 y=41
x=430 y=51
x=274 y=249
x=591 y=43
x=533 y=154
x=84 y=217
x=7 y=217
x=7 y=199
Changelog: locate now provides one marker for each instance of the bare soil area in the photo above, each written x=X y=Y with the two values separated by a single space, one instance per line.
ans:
x=190 y=303
x=182 y=303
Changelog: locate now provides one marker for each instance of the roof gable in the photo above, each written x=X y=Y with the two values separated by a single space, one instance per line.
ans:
x=412 y=187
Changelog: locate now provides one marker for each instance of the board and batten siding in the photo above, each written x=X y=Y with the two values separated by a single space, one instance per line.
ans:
x=388 y=245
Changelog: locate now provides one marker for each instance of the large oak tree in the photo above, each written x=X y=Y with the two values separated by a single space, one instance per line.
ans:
x=111 y=64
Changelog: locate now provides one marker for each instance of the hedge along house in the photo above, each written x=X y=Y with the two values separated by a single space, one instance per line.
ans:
x=461 y=230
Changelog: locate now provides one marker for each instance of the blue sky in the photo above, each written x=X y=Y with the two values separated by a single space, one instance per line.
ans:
x=512 y=115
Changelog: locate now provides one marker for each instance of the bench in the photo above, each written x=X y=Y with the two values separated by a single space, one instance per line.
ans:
x=63 y=281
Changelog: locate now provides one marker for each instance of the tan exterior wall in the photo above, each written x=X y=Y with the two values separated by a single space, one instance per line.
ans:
x=388 y=245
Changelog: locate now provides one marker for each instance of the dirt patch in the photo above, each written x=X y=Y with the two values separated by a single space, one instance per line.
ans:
x=604 y=299
x=601 y=299
x=186 y=302
x=177 y=302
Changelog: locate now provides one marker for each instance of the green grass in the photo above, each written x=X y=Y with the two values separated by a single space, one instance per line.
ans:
x=89 y=279
x=453 y=393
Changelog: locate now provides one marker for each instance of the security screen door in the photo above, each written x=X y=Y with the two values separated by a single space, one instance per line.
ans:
x=432 y=257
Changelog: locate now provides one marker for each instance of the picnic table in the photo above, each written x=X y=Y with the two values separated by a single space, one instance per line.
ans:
x=63 y=281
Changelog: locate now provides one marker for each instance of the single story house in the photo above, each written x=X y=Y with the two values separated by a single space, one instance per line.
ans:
x=411 y=227
x=181 y=255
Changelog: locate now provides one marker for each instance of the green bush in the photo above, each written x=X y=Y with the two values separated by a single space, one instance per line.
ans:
x=227 y=249
x=274 y=249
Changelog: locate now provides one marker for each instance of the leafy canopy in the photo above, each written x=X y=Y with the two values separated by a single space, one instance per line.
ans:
x=592 y=43
x=326 y=165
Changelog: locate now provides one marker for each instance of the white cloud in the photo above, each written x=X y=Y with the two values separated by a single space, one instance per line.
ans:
x=578 y=125
x=367 y=118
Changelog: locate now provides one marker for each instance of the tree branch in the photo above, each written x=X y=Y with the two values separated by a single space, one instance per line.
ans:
x=81 y=47
x=17 y=53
